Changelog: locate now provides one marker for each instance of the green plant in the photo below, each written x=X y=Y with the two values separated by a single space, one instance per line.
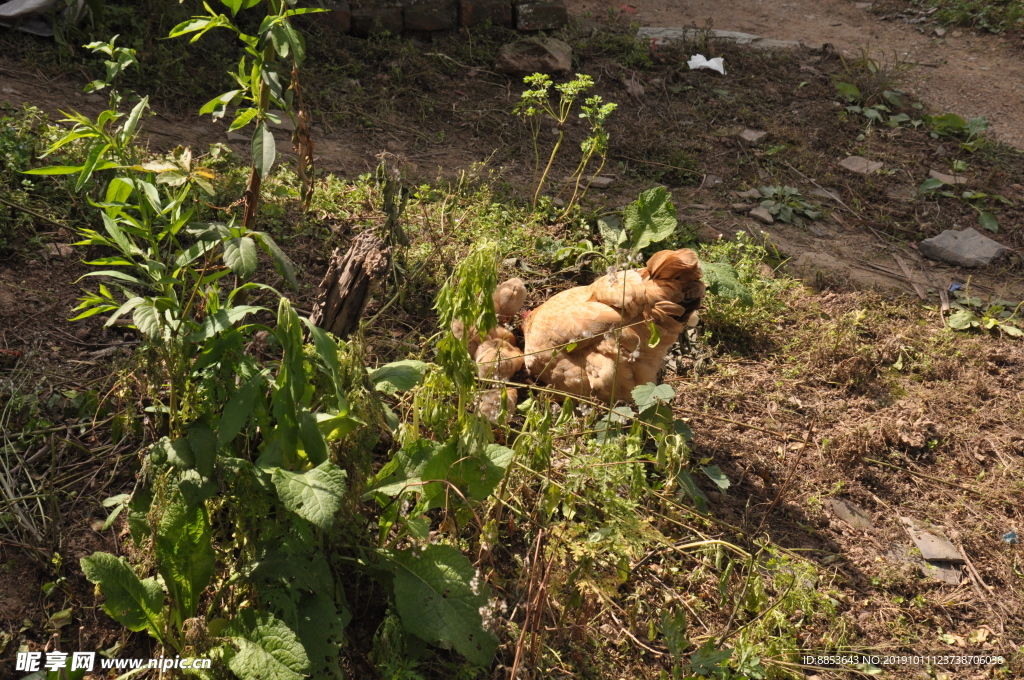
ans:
x=785 y=204
x=994 y=16
x=952 y=125
x=535 y=105
x=978 y=200
x=270 y=78
x=973 y=312
x=870 y=88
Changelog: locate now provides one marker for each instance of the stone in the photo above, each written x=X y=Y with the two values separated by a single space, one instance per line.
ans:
x=371 y=19
x=601 y=181
x=966 y=248
x=827 y=193
x=850 y=513
x=859 y=165
x=661 y=36
x=762 y=214
x=752 y=137
x=940 y=32
x=932 y=544
x=431 y=15
x=541 y=16
x=61 y=250
x=862 y=5
x=534 y=55
x=946 y=572
x=477 y=12
x=951 y=180
x=237 y=137
x=749 y=193
x=741 y=207
x=712 y=180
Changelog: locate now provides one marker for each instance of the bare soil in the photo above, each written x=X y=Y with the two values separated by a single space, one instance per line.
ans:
x=965 y=72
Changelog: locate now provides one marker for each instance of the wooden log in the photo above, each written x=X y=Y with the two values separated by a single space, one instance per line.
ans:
x=346 y=288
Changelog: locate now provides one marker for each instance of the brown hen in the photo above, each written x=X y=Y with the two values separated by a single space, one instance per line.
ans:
x=594 y=341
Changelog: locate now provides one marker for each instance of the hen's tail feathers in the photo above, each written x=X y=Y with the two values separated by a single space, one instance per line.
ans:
x=674 y=265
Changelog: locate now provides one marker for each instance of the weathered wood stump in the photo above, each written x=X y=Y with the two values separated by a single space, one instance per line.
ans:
x=345 y=289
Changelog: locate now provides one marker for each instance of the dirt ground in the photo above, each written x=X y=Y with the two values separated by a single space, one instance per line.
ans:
x=965 y=72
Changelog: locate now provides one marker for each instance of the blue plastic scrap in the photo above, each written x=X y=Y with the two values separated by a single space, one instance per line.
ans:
x=953 y=287
x=1010 y=537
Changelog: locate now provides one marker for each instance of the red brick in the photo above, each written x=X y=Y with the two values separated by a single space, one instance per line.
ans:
x=476 y=12
x=541 y=16
x=430 y=15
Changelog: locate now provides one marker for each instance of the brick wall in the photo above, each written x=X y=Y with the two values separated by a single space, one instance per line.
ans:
x=362 y=17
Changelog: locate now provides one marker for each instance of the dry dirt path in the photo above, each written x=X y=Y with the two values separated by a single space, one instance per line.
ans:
x=964 y=73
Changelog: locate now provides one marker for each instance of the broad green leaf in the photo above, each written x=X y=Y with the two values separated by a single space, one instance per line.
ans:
x=716 y=475
x=185 y=553
x=321 y=628
x=313 y=442
x=962 y=320
x=723 y=281
x=267 y=648
x=931 y=184
x=147 y=319
x=404 y=469
x=1011 y=330
x=336 y=427
x=203 y=442
x=240 y=256
x=650 y=218
x=137 y=605
x=478 y=476
x=179 y=453
x=612 y=232
x=238 y=410
x=263 y=149
x=849 y=90
x=988 y=220
x=282 y=263
x=691 y=489
x=398 y=376
x=645 y=396
x=439 y=597
x=128 y=306
x=314 y=495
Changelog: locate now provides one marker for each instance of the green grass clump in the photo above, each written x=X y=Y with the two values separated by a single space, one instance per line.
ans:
x=995 y=16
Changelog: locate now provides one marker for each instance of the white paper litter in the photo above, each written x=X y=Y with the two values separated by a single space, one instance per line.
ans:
x=698 y=61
